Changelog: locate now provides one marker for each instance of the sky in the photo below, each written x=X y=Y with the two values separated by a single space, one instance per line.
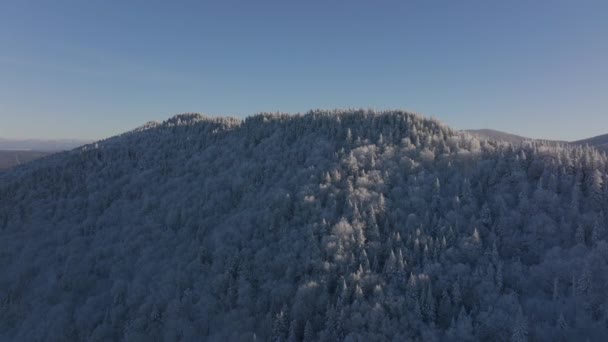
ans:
x=93 y=69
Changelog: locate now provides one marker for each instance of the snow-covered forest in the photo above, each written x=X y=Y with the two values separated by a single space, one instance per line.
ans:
x=328 y=226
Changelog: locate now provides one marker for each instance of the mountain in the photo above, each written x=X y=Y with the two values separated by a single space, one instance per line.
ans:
x=41 y=145
x=13 y=158
x=329 y=226
x=490 y=134
x=15 y=152
x=600 y=142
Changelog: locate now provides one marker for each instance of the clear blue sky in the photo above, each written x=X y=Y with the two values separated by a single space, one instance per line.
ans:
x=91 y=69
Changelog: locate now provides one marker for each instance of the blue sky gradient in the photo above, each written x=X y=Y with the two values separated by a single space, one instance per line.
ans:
x=91 y=69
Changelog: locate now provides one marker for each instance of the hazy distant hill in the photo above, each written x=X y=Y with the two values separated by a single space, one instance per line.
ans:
x=329 y=226
x=15 y=152
x=497 y=135
x=13 y=158
x=44 y=145
x=600 y=142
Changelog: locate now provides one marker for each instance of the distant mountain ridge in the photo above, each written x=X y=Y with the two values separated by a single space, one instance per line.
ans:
x=15 y=152
x=11 y=158
x=497 y=135
x=43 y=145
x=600 y=142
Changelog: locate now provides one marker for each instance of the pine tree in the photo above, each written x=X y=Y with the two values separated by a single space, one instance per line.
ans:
x=401 y=262
x=358 y=292
x=584 y=283
x=292 y=336
x=372 y=231
x=463 y=326
x=280 y=327
x=349 y=137
x=381 y=204
x=411 y=291
x=486 y=215
x=334 y=329
x=580 y=235
x=309 y=334
x=556 y=295
x=364 y=261
x=573 y=288
x=417 y=311
x=596 y=188
x=390 y=266
x=429 y=305
x=562 y=324
x=343 y=294
x=519 y=332
x=445 y=307
x=495 y=256
x=499 y=279
x=597 y=232
x=456 y=294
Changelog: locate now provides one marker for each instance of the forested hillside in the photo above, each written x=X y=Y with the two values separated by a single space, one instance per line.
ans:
x=329 y=226
x=600 y=142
